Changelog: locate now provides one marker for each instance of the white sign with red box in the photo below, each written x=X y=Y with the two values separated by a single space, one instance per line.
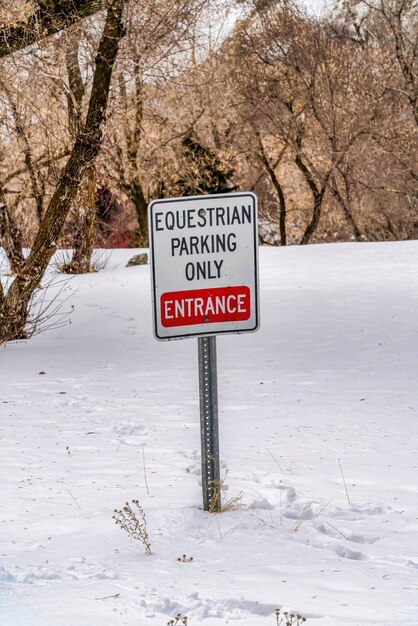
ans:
x=204 y=262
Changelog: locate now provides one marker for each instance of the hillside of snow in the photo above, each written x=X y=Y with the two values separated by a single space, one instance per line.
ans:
x=318 y=436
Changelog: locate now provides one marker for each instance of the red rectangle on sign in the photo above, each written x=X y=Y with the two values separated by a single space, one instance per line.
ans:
x=205 y=306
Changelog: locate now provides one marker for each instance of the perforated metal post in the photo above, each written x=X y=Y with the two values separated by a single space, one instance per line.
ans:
x=208 y=391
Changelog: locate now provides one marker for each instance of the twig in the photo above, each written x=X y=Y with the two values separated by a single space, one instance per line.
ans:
x=338 y=531
x=345 y=484
x=206 y=531
x=299 y=521
x=323 y=509
x=74 y=499
x=281 y=507
x=145 y=470
x=219 y=528
x=233 y=528
x=115 y=595
x=275 y=460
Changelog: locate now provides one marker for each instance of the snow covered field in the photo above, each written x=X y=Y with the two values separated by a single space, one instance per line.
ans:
x=327 y=388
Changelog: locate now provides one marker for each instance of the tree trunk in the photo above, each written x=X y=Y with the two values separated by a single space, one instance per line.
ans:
x=86 y=213
x=13 y=315
x=141 y=208
x=318 y=197
x=75 y=80
x=84 y=241
x=346 y=207
x=282 y=202
x=10 y=237
x=14 y=304
x=316 y=216
x=271 y=170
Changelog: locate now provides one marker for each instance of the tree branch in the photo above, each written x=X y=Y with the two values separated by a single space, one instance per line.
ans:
x=48 y=19
x=34 y=175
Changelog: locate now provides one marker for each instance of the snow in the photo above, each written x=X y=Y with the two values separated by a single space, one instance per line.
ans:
x=324 y=392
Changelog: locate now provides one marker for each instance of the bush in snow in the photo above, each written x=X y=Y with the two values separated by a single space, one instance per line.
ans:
x=134 y=523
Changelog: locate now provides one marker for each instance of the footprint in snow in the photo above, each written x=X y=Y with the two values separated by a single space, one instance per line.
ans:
x=130 y=428
x=6 y=576
x=299 y=511
x=331 y=531
x=359 y=512
x=201 y=608
x=260 y=503
x=346 y=553
x=82 y=569
x=28 y=575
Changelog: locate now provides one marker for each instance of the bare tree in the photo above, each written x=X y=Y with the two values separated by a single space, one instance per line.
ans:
x=300 y=94
x=14 y=302
x=389 y=28
x=158 y=50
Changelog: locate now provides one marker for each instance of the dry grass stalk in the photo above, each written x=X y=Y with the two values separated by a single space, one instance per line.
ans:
x=216 y=505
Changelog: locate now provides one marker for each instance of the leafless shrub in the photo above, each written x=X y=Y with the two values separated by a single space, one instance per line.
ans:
x=49 y=307
x=62 y=259
x=134 y=523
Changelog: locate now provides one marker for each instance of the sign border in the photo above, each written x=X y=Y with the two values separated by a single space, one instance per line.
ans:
x=241 y=194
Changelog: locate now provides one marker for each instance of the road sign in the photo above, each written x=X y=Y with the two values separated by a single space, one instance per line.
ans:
x=204 y=258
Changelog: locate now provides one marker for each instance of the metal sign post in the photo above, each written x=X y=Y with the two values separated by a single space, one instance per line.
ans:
x=209 y=433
